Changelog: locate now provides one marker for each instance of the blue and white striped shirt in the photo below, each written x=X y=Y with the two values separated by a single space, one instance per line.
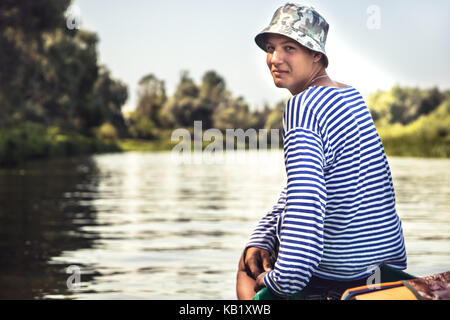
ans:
x=336 y=218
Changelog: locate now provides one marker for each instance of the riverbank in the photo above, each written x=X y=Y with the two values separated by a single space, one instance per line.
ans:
x=414 y=146
x=427 y=137
x=30 y=141
x=144 y=145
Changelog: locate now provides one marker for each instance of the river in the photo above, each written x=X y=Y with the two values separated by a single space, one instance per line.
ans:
x=145 y=226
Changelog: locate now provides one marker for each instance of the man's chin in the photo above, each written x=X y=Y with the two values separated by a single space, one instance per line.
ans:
x=278 y=83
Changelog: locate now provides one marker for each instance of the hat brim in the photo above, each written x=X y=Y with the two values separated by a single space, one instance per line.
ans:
x=260 y=40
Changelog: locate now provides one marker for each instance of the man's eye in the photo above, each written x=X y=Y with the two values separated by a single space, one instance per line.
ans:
x=269 y=49
x=289 y=48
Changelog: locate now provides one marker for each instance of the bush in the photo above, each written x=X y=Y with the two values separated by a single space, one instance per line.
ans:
x=28 y=140
x=142 y=128
x=428 y=136
x=107 y=132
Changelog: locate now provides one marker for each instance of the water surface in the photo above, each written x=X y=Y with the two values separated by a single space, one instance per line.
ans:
x=143 y=226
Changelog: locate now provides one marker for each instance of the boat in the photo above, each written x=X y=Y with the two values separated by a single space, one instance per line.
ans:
x=434 y=287
x=394 y=285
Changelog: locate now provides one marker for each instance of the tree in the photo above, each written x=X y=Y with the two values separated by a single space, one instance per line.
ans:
x=190 y=103
x=213 y=88
x=431 y=99
x=50 y=74
x=69 y=73
x=259 y=117
x=151 y=98
x=403 y=105
x=22 y=25
x=275 y=118
x=106 y=101
x=233 y=113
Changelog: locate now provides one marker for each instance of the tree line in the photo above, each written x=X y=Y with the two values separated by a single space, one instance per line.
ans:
x=56 y=99
x=412 y=121
x=210 y=102
x=50 y=74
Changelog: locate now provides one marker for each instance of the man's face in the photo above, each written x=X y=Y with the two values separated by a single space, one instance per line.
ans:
x=290 y=64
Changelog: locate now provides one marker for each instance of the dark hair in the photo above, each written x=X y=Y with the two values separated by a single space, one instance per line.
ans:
x=323 y=59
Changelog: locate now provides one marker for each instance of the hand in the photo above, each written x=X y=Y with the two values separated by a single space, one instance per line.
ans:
x=244 y=283
x=260 y=282
x=257 y=261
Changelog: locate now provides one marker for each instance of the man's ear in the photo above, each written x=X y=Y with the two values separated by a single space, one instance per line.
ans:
x=317 y=56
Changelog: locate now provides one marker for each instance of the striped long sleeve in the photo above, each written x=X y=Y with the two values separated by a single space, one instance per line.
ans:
x=301 y=235
x=339 y=220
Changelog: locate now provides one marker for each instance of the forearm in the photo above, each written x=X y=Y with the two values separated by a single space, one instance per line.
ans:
x=301 y=231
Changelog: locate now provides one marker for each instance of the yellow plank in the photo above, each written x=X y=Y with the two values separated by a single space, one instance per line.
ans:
x=399 y=293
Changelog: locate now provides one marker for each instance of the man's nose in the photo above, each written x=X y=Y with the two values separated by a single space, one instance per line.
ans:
x=277 y=57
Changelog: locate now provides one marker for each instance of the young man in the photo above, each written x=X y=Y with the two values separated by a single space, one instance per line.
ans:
x=335 y=222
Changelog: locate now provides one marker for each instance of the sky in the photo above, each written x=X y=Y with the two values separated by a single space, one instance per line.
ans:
x=371 y=45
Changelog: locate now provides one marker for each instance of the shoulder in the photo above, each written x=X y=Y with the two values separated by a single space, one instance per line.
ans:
x=313 y=105
x=315 y=94
x=301 y=109
x=317 y=98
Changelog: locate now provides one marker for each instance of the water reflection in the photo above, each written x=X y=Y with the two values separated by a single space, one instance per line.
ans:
x=172 y=231
x=141 y=226
x=43 y=207
x=423 y=201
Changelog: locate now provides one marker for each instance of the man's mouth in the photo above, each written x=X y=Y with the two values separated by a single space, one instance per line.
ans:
x=279 y=72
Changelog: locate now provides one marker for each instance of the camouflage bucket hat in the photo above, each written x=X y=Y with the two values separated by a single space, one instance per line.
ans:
x=300 y=23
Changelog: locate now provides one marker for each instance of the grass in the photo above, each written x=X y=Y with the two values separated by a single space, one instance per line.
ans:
x=428 y=136
x=28 y=141
x=144 y=145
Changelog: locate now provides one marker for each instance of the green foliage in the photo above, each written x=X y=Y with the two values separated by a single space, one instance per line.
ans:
x=213 y=88
x=275 y=118
x=142 y=128
x=259 y=117
x=233 y=114
x=143 y=145
x=22 y=25
x=188 y=105
x=107 y=132
x=56 y=100
x=209 y=102
x=50 y=74
x=151 y=98
x=403 y=105
x=427 y=136
x=50 y=77
x=106 y=100
x=411 y=121
x=32 y=17
x=28 y=140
